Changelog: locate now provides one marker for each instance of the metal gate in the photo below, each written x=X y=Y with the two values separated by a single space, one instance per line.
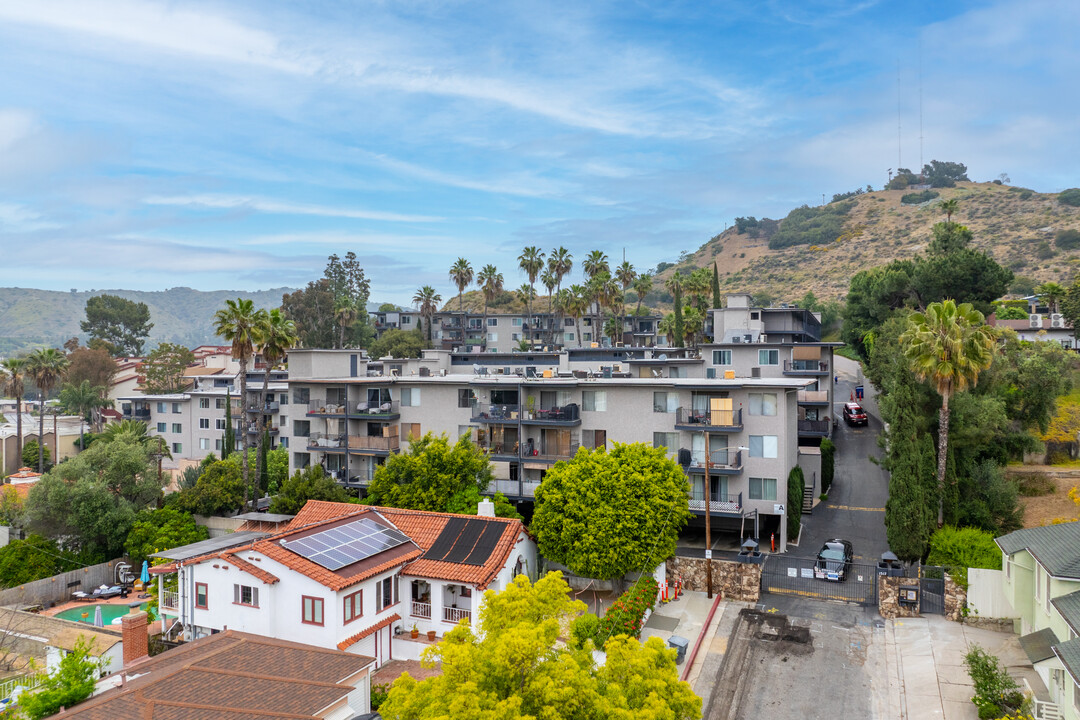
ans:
x=932 y=590
x=784 y=575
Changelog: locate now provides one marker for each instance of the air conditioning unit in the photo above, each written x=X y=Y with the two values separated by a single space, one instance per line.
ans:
x=1035 y=320
x=1057 y=320
x=736 y=339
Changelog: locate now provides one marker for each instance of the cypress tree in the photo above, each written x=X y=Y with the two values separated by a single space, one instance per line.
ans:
x=910 y=513
x=677 y=331
x=264 y=472
x=228 y=446
x=715 y=287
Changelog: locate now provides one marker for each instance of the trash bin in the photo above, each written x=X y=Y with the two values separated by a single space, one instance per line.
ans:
x=678 y=644
x=858 y=392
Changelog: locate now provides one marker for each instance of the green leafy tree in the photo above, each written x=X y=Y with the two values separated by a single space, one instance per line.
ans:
x=948 y=346
x=277 y=468
x=634 y=529
x=158 y=530
x=311 y=483
x=913 y=491
x=95 y=366
x=514 y=666
x=312 y=312
x=961 y=548
x=72 y=682
x=397 y=343
x=944 y=174
x=430 y=475
x=717 y=300
x=32 y=451
x=85 y=401
x=828 y=463
x=228 y=442
x=1051 y=292
x=35 y=558
x=351 y=290
x=46 y=367
x=220 y=490
x=164 y=368
x=122 y=324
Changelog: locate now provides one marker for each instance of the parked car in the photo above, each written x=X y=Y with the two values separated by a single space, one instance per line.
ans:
x=833 y=560
x=854 y=414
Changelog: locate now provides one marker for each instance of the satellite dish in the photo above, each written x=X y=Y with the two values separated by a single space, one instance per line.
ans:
x=476 y=369
x=663 y=356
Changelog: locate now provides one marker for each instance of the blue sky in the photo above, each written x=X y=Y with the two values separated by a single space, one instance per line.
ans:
x=234 y=145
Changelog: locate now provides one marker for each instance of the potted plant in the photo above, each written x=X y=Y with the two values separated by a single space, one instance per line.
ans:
x=414 y=633
x=431 y=635
x=530 y=405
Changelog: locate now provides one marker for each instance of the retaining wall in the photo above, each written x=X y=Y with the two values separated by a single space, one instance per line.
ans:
x=731 y=580
x=58 y=588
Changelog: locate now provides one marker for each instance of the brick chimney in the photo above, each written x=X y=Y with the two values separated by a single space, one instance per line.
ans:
x=134 y=633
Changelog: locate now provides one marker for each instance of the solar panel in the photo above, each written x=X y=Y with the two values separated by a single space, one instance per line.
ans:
x=466 y=541
x=337 y=547
x=485 y=545
x=445 y=542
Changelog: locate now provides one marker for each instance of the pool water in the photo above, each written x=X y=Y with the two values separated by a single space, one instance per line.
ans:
x=110 y=613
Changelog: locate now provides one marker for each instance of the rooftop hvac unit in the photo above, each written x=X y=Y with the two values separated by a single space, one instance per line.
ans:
x=748 y=338
x=1057 y=320
x=1036 y=320
x=736 y=339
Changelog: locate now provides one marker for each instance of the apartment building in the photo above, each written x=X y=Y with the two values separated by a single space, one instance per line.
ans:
x=735 y=433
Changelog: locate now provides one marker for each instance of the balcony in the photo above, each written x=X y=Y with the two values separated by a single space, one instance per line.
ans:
x=318 y=408
x=723 y=462
x=813 y=397
x=268 y=408
x=321 y=442
x=720 y=504
x=715 y=420
x=376 y=411
x=814 y=428
x=170 y=600
x=253 y=429
x=550 y=453
x=565 y=416
x=137 y=414
x=804 y=368
x=507 y=450
x=420 y=610
x=456 y=615
x=373 y=445
x=495 y=413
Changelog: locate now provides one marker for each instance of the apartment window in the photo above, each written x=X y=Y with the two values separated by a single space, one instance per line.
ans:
x=312 y=610
x=676 y=372
x=217 y=444
x=161 y=407
x=669 y=440
x=176 y=408
x=587 y=337
x=568 y=322
x=594 y=439
x=406 y=319
x=352 y=606
x=177 y=428
x=301 y=428
x=301 y=460
x=410 y=431
x=665 y=402
x=1046 y=598
x=464 y=398
x=762 y=403
x=516 y=322
x=763 y=446
x=204 y=443
x=245 y=595
x=721 y=357
x=204 y=423
x=200 y=595
x=493 y=337
x=762 y=488
x=768 y=357
x=301 y=396
x=493 y=322
x=162 y=427
x=177 y=448
x=410 y=397
x=283 y=399
x=219 y=423
x=594 y=400
x=385 y=593
x=204 y=403
x=753 y=316
x=515 y=336
x=219 y=403
x=568 y=337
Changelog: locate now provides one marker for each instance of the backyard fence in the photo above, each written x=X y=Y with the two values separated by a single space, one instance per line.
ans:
x=58 y=588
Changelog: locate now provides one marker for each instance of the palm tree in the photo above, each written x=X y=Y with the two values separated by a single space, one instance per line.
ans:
x=239 y=323
x=611 y=296
x=490 y=281
x=642 y=286
x=949 y=207
x=531 y=262
x=527 y=293
x=693 y=324
x=697 y=285
x=427 y=301
x=560 y=262
x=948 y=345
x=137 y=429
x=576 y=302
x=626 y=275
x=613 y=328
x=461 y=273
x=1052 y=293
x=46 y=367
x=547 y=278
x=345 y=313
x=84 y=400
x=13 y=374
x=594 y=264
x=276 y=335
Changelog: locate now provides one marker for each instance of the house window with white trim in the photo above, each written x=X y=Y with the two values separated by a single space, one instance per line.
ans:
x=721 y=357
x=312 y=610
x=385 y=593
x=762 y=488
x=352 y=606
x=246 y=595
x=763 y=446
x=768 y=357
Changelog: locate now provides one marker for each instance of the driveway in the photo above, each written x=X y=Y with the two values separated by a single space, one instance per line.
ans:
x=855 y=509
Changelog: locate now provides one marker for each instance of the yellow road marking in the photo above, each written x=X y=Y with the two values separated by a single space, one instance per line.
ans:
x=855 y=597
x=849 y=507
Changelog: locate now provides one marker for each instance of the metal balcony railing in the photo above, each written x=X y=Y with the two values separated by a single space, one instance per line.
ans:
x=814 y=426
x=366 y=408
x=497 y=412
x=322 y=441
x=267 y=407
x=170 y=600
x=707 y=418
x=321 y=407
x=719 y=459
x=456 y=614
x=719 y=503
x=816 y=367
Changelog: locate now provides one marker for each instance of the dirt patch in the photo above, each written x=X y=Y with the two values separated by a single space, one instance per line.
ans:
x=1054 y=505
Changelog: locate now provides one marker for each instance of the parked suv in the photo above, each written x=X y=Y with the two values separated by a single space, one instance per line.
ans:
x=833 y=560
x=854 y=414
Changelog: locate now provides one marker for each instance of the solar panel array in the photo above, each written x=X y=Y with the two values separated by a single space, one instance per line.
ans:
x=466 y=541
x=347 y=544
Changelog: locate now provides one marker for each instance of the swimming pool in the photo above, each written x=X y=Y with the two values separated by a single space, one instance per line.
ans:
x=110 y=613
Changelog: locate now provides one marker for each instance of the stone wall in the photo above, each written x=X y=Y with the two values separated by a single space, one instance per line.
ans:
x=955 y=600
x=889 y=605
x=731 y=580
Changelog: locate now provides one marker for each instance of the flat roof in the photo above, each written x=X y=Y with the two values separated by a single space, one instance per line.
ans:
x=265 y=517
x=205 y=547
x=695 y=383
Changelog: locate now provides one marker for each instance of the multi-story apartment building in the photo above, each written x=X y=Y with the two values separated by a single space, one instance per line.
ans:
x=735 y=433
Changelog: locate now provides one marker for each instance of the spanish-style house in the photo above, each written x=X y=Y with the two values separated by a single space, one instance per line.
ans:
x=345 y=576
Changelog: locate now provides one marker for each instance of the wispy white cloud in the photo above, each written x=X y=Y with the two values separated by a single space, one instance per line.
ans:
x=19 y=218
x=277 y=207
x=525 y=184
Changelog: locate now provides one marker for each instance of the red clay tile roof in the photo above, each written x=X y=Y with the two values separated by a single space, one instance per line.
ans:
x=249 y=568
x=350 y=641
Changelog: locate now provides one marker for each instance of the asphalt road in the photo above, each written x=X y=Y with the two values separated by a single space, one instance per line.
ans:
x=855 y=509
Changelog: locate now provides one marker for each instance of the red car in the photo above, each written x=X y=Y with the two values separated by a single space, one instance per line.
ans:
x=854 y=414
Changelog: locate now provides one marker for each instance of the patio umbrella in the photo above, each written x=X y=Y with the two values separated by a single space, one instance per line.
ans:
x=98 y=621
x=145 y=576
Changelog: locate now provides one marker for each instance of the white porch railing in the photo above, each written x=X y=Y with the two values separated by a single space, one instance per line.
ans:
x=29 y=682
x=1045 y=710
x=421 y=609
x=170 y=600
x=455 y=615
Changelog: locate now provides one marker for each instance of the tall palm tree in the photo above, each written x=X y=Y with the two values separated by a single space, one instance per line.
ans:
x=531 y=262
x=276 y=335
x=626 y=275
x=642 y=286
x=693 y=324
x=461 y=273
x=547 y=278
x=527 y=293
x=84 y=400
x=594 y=264
x=490 y=281
x=427 y=302
x=560 y=262
x=949 y=207
x=1052 y=293
x=576 y=303
x=239 y=323
x=13 y=374
x=46 y=367
x=949 y=346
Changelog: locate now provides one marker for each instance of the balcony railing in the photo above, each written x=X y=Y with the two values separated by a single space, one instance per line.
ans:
x=140 y=413
x=373 y=442
x=709 y=418
x=455 y=615
x=719 y=503
x=322 y=441
x=376 y=410
x=170 y=600
x=550 y=452
x=816 y=427
x=421 y=609
x=814 y=396
x=497 y=412
x=320 y=407
x=268 y=407
x=719 y=460
x=807 y=367
x=253 y=429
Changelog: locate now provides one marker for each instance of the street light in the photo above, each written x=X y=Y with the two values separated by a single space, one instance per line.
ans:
x=708 y=508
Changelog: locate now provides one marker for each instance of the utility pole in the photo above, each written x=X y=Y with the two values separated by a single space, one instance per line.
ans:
x=708 y=514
